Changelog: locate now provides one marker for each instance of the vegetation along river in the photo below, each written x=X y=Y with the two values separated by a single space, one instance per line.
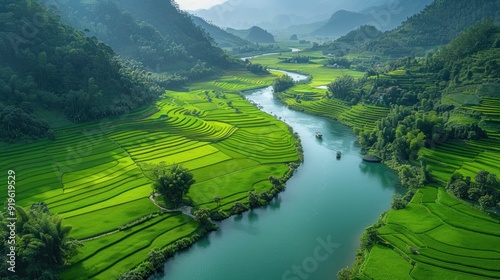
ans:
x=309 y=231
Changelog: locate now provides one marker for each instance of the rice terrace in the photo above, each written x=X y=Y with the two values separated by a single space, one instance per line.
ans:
x=163 y=139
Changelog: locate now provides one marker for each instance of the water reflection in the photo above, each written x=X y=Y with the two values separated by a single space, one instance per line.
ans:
x=376 y=171
x=253 y=216
x=204 y=242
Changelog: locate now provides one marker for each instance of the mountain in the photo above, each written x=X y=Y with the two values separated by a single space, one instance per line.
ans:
x=223 y=38
x=152 y=32
x=351 y=42
x=341 y=23
x=436 y=25
x=242 y=14
x=57 y=71
x=255 y=35
x=178 y=26
x=385 y=17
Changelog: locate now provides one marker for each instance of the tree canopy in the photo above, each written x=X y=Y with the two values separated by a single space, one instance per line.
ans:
x=42 y=243
x=172 y=183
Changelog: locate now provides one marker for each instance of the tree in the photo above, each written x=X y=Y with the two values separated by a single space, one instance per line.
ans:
x=341 y=88
x=203 y=217
x=172 y=183
x=486 y=201
x=43 y=244
x=398 y=202
x=345 y=273
x=253 y=198
x=481 y=178
x=459 y=189
x=156 y=258
x=474 y=193
x=283 y=83
x=239 y=207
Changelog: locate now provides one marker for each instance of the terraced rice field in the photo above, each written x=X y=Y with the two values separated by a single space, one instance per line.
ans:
x=467 y=157
x=312 y=94
x=91 y=174
x=436 y=237
x=452 y=239
x=358 y=116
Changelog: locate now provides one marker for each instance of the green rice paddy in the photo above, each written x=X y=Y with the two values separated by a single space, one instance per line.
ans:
x=453 y=239
x=91 y=174
x=437 y=236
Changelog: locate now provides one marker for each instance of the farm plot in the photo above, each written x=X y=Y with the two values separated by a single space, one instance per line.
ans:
x=91 y=174
x=430 y=238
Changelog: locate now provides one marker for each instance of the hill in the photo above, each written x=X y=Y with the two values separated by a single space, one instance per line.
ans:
x=55 y=71
x=223 y=38
x=255 y=34
x=341 y=22
x=384 y=17
x=436 y=25
x=154 y=33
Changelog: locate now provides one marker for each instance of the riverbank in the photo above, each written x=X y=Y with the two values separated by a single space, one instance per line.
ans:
x=317 y=204
x=413 y=252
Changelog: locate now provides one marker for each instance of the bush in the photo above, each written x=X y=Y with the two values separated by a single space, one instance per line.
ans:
x=283 y=83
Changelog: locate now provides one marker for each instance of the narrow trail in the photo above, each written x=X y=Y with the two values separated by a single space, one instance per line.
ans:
x=186 y=210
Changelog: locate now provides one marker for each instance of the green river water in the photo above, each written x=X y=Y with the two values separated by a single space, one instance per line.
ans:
x=309 y=231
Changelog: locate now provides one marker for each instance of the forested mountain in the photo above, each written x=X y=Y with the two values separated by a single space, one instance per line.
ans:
x=47 y=66
x=255 y=34
x=153 y=32
x=385 y=17
x=223 y=38
x=341 y=22
x=351 y=42
x=436 y=25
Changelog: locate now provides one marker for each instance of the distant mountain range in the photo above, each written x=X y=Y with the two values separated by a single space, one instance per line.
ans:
x=384 y=17
x=223 y=38
x=434 y=26
x=254 y=34
x=313 y=17
x=278 y=14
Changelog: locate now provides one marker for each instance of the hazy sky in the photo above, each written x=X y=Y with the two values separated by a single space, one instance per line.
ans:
x=197 y=4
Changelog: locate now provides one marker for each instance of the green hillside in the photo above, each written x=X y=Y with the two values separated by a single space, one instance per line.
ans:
x=436 y=25
x=179 y=53
x=48 y=75
x=221 y=37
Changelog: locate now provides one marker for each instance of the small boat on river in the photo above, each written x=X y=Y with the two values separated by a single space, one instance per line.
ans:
x=319 y=135
x=339 y=154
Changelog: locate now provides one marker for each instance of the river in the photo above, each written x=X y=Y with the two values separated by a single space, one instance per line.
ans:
x=309 y=231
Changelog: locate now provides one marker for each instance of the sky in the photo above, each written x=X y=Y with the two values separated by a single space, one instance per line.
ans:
x=192 y=5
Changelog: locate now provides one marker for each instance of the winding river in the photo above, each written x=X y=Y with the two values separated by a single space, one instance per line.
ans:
x=309 y=231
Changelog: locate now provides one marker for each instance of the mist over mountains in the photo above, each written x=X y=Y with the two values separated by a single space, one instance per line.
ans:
x=277 y=14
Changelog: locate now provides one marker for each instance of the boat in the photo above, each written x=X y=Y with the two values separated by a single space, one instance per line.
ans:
x=319 y=135
x=339 y=154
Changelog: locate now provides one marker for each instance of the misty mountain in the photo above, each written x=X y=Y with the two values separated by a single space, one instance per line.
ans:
x=154 y=34
x=223 y=38
x=436 y=25
x=242 y=14
x=384 y=17
x=254 y=34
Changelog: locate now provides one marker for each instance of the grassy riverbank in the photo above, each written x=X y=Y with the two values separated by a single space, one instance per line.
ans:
x=436 y=236
x=91 y=174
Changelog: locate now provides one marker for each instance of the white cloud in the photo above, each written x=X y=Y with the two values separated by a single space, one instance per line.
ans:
x=192 y=5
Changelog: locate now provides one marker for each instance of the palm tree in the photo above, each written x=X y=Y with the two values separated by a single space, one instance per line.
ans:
x=43 y=243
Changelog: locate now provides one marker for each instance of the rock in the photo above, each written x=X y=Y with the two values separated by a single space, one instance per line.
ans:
x=372 y=158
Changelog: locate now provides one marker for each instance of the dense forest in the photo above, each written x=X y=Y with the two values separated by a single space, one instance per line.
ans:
x=177 y=54
x=48 y=67
x=436 y=25
x=413 y=89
